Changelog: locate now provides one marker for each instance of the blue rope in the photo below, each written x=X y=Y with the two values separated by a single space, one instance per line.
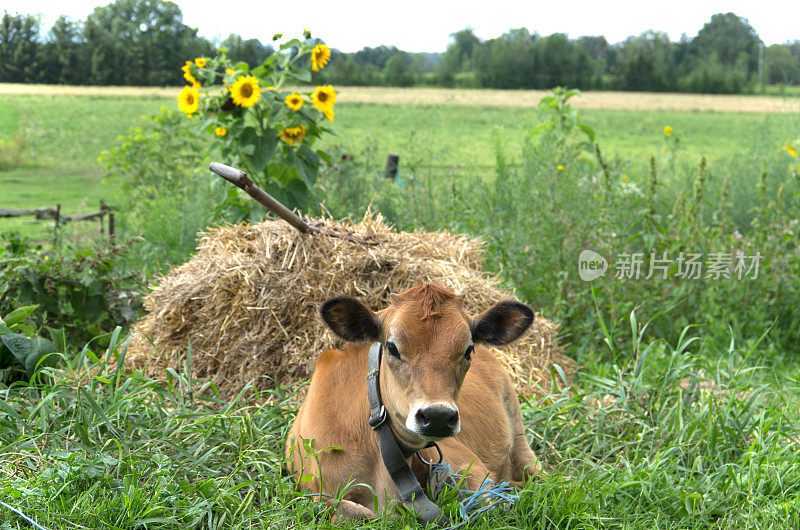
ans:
x=471 y=501
x=27 y=519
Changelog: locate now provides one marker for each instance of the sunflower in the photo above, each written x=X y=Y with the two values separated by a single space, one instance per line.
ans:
x=320 y=56
x=228 y=71
x=293 y=135
x=187 y=73
x=323 y=98
x=189 y=100
x=200 y=62
x=294 y=101
x=245 y=91
x=220 y=131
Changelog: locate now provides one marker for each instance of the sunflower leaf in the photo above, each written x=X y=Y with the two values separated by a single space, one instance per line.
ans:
x=307 y=164
x=300 y=75
x=263 y=147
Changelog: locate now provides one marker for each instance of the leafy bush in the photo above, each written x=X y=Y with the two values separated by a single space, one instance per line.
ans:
x=563 y=197
x=165 y=191
x=22 y=349
x=82 y=292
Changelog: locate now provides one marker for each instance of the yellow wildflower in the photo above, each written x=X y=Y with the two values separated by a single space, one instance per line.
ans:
x=200 y=62
x=560 y=167
x=667 y=131
x=187 y=73
x=323 y=98
x=320 y=56
x=220 y=131
x=789 y=149
x=189 y=100
x=293 y=135
x=229 y=71
x=294 y=101
x=245 y=91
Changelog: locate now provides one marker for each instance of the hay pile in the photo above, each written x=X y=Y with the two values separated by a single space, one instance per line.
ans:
x=248 y=301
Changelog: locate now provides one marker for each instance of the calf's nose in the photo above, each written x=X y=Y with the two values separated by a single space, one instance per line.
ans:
x=438 y=420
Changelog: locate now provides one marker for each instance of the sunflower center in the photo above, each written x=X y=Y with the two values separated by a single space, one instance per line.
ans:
x=190 y=99
x=246 y=90
x=322 y=96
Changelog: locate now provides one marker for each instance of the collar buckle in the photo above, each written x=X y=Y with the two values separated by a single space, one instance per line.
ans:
x=376 y=421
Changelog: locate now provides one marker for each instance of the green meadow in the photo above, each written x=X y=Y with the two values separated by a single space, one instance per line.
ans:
x=63 y=136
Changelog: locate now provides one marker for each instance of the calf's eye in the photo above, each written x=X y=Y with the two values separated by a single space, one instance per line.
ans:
x=468 y=353
x=392 y=349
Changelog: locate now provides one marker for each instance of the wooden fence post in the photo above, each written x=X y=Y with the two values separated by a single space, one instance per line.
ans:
x=55 y=226
x=392 y=166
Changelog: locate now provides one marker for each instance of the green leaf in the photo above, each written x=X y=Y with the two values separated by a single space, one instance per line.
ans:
x=588 y=130
x=300 y=75
x=241 y=65
x=300 y=193
x=324 y=156
x=307 y=163
x=18 y=315
x=6 y=358
x=29 y=350
x=44 y=348
x=20 y=346
x=263 y=147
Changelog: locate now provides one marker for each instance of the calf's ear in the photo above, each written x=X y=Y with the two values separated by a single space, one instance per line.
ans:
x=351 y=320
x=502 y=323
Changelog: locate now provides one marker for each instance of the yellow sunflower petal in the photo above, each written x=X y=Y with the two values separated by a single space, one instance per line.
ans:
x=189 y=100
x=245 y=91
x=294 y=101
x=324 y=97
x=320 y=56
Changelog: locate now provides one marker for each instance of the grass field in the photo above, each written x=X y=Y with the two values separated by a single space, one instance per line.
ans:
x=64 y=130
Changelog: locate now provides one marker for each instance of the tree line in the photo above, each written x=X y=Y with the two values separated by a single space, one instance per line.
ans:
x=128 y=42
x=726 y=56
x=144 y=42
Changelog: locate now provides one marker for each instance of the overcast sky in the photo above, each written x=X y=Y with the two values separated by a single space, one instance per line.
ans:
x=426 y=25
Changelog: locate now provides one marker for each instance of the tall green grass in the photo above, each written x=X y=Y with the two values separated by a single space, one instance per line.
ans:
x=669 y=440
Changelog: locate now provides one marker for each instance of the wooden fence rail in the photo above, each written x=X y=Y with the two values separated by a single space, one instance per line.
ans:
x=46 y=213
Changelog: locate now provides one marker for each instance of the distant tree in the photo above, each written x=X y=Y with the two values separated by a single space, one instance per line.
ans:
x=140 y=42
x=507 y=61
x=19 y=48
x=781 y=65
x=647 y=62
x=395 y=73
x=63 y=54
x=251 y=51
x=729 y=36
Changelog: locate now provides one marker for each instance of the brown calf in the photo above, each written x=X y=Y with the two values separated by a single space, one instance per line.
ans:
x=438 y=384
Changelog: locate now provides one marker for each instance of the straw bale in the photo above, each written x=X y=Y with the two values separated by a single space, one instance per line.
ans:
x=248 y=301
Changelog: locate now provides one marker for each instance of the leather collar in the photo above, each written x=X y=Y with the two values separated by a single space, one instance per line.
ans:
x=395 y=454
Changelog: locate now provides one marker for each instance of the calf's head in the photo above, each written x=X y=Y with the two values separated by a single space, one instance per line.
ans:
x=428 y=341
